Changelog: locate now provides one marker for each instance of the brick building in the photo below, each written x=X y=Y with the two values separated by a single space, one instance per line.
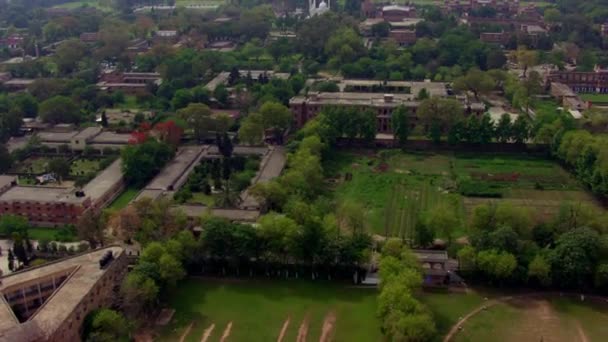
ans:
x=403 y=37
x=12 y=41
x=128 y=82
x=50 y=302
x=398 y=13
x=500 y=38
x=305 y=108
x=52 y=206
x=582 y=82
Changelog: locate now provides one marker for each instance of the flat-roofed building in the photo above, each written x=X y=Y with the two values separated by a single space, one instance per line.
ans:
x=582 y=81
x=52 y=206
x=307 y=107
x=50 y=302
x=397 y=12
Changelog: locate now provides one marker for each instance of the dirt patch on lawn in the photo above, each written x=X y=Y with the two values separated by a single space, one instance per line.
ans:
x=226 y=332
x=303 y=330
x=208 y=332
x=186 y=332
x=283 y=329
x=328 y=327
x=539 y=321
x=581 y=333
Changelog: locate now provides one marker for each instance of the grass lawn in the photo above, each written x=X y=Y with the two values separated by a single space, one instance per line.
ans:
x=130 y=103
x=125 y=198
x=396 y=187
x=258 y=309
x=201 y=198
x=603 y=98
x=90 y=3
x=535 y=319
x=62 y=234
x=448 y=308
x=81 y=167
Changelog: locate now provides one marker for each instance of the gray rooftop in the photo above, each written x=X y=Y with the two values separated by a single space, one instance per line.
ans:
x=40 y=194
x=6 y=180
x=85 y=274
x=87 y=133
x=111 y=138
x=184 y=158
x=57 y=137
x=97 y=187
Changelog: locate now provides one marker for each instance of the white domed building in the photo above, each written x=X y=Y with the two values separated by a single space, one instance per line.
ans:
x=313 y=9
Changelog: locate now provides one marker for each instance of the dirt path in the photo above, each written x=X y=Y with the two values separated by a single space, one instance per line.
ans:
x=226 y=332
x=303 y=330
x=284 y=329
x=208 y=332
x=581 y=333
x=328 y=327
x=186 y=332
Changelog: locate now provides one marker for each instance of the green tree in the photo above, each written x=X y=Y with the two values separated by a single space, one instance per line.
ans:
x=59 y=109
x=107 y=326
x=141 y=162
x=503 y=131
x=539 y=270
x=6 y=160
x=497 y=265
x=400 y=124
x=198 y=117
x=475 y=81
x=60 y=167
x=68 y=54
x=467 y=258
x=252 y=129
x=90 y=227
x=276 y=117
x=521 y=130
x=574 y=257
x=439 y=115
x=140 y=292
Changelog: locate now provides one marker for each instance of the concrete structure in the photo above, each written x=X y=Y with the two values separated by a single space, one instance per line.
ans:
x=406 y=87
x=175 y=174
x=318 y=9
x=271 y=167
x=397 y=13
x=569 y=99
x=582 y=82
x=305 y=108
x=94 y=137
x=52 y=206
x=89 y=37
x=129 y=82
x=434 y=267
x=403 y=37
x=50 y=302
x=222 y=77
x=17 y=84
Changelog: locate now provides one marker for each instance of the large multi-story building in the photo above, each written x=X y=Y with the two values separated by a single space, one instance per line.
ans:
x=50 y=302
x=306 y=107
x=582 y=81
x=52 y=206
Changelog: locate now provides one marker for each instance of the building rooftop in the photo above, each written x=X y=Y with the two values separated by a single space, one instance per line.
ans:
x=111 y=138
x=6 y=180
x=97 y=187
x=87 y=133
x=222 y=77
x=357 y=99
x=434 y=88
x=238 y=215
x=84 y=273
x=57 y=137
x=22 y=193
x=185 y=157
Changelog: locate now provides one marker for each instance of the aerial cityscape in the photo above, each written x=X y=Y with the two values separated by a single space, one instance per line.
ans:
x=303 y=170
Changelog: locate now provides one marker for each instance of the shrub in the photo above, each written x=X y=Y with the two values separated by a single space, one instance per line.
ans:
x=479 y=189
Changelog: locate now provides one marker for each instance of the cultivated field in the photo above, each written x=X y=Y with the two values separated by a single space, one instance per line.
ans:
x=396 y=187
x=256 y=310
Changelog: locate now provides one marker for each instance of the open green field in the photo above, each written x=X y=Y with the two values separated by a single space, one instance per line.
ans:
x=538 y=319
x=124 y=199
x=258 y=310
x=85 y=3
x=62 y=234
x=82 y=167
x=396 y=187
x=602 y=98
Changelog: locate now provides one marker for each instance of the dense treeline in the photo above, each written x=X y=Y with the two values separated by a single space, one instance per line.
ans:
x=403 y=317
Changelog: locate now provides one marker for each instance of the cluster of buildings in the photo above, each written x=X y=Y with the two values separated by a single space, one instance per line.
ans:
x=127 y=82
x=402 y=21
x=56 y=206
x=381 y=97
x=50 y=302
x=77 y=140
x=12 y=42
